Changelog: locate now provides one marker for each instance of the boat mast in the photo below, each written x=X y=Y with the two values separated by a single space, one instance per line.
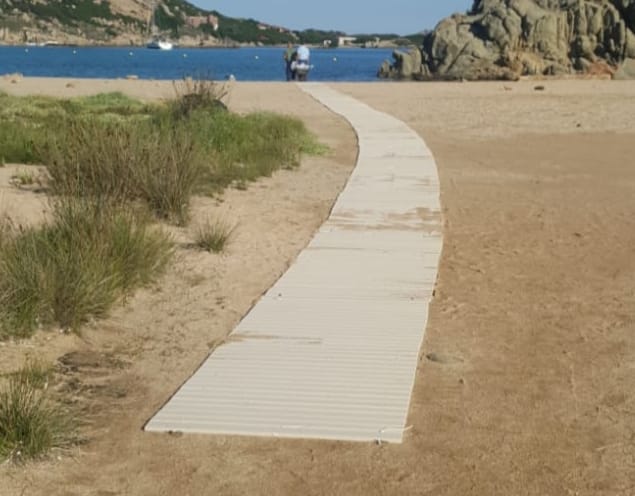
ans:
x=151 y=20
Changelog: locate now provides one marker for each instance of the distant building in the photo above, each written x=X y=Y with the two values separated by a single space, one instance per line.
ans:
x=346 y=40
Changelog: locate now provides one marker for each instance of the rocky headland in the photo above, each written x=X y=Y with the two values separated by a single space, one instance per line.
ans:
x=507 y=39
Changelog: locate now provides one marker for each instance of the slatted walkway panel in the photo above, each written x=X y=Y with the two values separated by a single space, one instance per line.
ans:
x=331 y=350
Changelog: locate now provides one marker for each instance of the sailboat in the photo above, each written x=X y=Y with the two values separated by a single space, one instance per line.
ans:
x=156 y=42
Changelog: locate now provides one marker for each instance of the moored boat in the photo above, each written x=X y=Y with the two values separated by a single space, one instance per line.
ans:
x=160 y=44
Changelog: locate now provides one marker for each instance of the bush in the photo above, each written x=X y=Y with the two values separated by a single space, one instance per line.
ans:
x=77 y=266
x=30 y=424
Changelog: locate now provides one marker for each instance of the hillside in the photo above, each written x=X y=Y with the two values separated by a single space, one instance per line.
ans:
x=127 y=22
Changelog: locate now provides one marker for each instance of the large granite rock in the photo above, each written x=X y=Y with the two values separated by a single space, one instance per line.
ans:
x=509 y=38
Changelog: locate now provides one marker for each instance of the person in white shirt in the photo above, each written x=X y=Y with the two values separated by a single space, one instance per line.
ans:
x=303 y=54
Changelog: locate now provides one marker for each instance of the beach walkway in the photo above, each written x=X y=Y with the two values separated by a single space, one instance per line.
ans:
x=331 y=350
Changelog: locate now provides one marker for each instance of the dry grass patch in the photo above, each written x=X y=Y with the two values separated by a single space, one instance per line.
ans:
x=213 y=235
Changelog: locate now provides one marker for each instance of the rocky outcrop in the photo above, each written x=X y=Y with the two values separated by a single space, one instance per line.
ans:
x=407 y=65
x=509 y=38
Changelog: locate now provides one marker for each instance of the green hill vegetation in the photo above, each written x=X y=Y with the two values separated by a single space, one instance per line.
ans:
x=107 y=21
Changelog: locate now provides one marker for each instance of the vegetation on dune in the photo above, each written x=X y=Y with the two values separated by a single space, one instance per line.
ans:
x=45 y=111
x=18 y=142
x=108 y=104
x=246 y=148
x=27 y=123
x=76 y=266
x=113 y=145
x=155 y=161
x=31 y=423
x=110 y=161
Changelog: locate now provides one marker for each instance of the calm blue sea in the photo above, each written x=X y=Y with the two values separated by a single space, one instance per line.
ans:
x=246 y=64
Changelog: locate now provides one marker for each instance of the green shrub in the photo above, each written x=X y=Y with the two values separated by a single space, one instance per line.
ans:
x=244 y=148
x=31 y=425
x=75 y=267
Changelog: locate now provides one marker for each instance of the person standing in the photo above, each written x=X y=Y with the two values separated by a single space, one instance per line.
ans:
x=288 y=59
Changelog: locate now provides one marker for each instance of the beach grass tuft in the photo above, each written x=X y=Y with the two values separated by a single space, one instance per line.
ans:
x=196 y=94
x=213 y=235
x=35 y=373
x=156 y=162
x=31 y=424
x=76 y=266
x=23 y=178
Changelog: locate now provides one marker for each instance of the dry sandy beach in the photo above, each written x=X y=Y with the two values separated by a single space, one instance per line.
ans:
x=526 y=383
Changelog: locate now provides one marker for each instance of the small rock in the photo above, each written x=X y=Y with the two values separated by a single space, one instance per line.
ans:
x=539 y=88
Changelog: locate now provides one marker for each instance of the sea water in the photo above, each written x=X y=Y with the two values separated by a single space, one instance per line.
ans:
x=244 y=64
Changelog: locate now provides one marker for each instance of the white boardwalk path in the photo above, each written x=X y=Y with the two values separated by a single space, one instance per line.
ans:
x=331 y=350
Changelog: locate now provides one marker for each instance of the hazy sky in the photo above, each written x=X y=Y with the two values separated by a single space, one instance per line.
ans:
x=351 y=16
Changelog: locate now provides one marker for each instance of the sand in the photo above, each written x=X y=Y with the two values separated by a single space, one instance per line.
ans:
x=525 y=384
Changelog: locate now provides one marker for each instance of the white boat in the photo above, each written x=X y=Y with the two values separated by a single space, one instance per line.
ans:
x=160 y=44
x=156 y=42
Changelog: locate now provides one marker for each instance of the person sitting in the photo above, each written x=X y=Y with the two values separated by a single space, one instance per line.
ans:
x=303 y=54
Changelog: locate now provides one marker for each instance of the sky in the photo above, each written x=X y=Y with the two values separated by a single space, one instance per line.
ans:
x=350 y=16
